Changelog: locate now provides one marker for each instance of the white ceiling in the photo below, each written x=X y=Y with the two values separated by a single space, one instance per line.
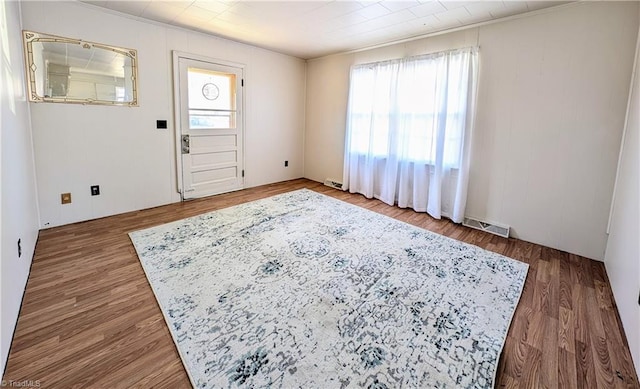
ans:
x=310 y=29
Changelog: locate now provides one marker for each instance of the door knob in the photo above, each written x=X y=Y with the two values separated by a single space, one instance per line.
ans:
x=185 y=144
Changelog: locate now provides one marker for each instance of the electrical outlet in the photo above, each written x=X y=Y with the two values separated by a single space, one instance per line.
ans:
x=286 y=163
x=95 y=190
x=65 y=198
x=19 y=248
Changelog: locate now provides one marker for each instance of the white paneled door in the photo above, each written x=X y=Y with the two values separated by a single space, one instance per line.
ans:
x=210 y=133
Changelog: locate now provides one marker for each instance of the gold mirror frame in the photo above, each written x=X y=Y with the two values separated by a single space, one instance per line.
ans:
x=31 y=37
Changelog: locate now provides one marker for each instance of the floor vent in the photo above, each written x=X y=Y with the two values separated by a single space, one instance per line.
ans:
x=333 y=184
x=488 y=227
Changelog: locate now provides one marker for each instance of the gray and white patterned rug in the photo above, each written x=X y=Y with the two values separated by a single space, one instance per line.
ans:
x=301 y=290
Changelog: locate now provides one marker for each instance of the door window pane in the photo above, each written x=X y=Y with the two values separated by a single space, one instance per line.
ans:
x=212 y=99
x=203 y=119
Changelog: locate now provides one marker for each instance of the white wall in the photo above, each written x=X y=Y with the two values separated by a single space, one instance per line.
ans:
x=622 y=258
x=19 y=213
x=552 y=96
x=119 y=148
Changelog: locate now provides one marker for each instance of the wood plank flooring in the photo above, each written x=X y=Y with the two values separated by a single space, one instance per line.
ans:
x=89 y=317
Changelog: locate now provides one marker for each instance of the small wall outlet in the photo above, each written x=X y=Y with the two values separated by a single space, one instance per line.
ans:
x=65 y=198
x=95 y=190
x=161 y=124
x=286 y=163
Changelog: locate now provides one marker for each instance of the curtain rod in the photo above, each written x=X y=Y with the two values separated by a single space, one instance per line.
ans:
x=419 y=56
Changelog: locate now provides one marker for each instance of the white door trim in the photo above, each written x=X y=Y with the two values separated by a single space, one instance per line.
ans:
x=177 y=111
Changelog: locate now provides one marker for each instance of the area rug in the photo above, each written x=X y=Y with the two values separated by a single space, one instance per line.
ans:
x=301 y=290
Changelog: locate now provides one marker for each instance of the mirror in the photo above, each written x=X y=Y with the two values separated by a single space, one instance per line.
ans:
x=64 y=70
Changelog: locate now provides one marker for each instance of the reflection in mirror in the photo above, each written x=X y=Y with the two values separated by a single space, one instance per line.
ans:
x=64 y=70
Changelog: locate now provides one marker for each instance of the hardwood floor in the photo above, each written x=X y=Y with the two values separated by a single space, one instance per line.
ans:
x=90 y=319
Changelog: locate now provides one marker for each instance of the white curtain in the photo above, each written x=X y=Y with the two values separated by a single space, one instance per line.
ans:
x=409 y=125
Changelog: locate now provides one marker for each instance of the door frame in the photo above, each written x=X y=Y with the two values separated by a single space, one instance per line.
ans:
x=177 y=110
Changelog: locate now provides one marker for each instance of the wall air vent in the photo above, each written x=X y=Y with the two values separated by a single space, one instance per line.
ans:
x=333 y=184
x=485 y=226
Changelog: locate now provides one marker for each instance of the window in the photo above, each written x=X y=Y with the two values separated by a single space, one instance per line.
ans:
x=399 y=107
x=212 y=99
x=408 y=125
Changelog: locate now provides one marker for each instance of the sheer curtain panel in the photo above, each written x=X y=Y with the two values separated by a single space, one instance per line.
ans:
x=409 y=125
